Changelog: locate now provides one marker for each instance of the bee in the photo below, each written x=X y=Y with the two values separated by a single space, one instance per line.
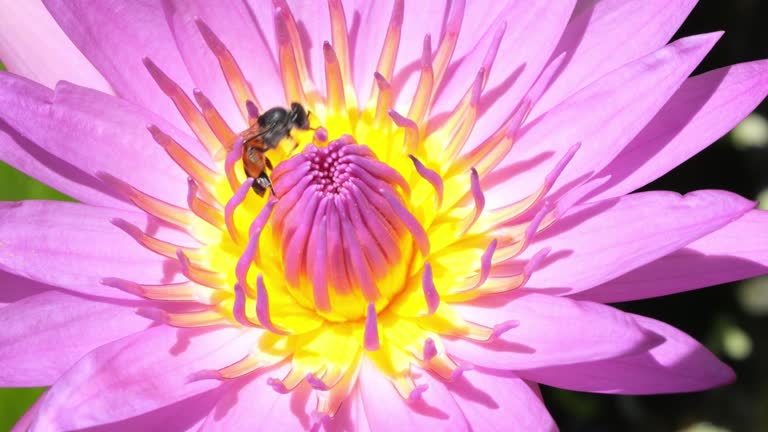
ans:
x=270 y=129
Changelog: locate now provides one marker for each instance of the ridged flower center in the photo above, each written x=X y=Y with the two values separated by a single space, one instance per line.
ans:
x=339 y=223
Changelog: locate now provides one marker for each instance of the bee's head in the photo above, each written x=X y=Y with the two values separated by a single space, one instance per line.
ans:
x=299 y=117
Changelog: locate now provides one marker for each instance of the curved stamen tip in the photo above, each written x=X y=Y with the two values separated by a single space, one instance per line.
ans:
x=417 y=392
x=485 y=262
x=347 y=139
x=321 y=134
x=459 y=371
x=431 y=176
x=238 y=308
x=430 y=350
x=410 y=222
x=277 y=385
x=262 y=307
x=371 y=335
x=535 y=261
x=123 y=285
x=500 y=329
x=207 y=374
x=316 y=382
x=253 y=111
x=430 y=292
x=153 y=314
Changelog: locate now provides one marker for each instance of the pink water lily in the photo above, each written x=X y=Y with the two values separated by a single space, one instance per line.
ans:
x=439 y=242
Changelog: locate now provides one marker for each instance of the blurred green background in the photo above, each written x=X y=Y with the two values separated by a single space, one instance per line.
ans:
x=731 y=319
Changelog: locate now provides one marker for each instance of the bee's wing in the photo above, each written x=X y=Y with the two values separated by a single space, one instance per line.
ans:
x=254 y=133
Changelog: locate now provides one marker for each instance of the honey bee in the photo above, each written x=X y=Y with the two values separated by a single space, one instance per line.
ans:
x=270 y=129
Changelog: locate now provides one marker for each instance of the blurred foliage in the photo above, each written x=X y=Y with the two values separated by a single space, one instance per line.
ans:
x=16 y=186
x=719 y=317
x=13 y=403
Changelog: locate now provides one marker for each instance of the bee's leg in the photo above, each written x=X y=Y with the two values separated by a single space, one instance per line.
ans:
x=295 y=143
x=262 y=183
x=268 y=163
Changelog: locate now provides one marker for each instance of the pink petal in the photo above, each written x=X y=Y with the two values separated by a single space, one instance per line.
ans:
x=603 y=117
x=608 y=35
x=704 y=109
x=195 y=409
x=34 y=46
x=232 y=23
x=680 y=364
x=31 y=159
x=43 y=335
x=387 y=410
x=74 y=246
x=552 y=331
x=65 y=137
x=139 y=374
x=351 y=415
x=497 y=401
x=532 y=32
x=737 y=251
x=597 y=242
x=250 y=404
x=14 y=288
x=115 y=36
x=374 y=16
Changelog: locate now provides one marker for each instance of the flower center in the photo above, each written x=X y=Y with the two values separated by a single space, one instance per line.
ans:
x=342 y=228
x=363 y=250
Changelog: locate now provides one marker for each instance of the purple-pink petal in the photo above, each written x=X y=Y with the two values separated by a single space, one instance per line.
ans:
x=607 y=35
x=34 y=46
x=14 y=288
x=231 y=22
x=551 y=331
x=136 y=30
x=67 y=136
x=74 y=246
x=617 y=112
x=737 y=251
x=139 y=374
x=705 y=108
x=679 y=364
x=486 y=398
x=532 y=32
x=597 y=242
x=385 y=409
x=44 y=334
x=251 y=404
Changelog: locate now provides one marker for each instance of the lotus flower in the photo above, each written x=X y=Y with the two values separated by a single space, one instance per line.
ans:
x=442 y=239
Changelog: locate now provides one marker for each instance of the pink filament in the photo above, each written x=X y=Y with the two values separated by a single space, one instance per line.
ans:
x=430 y=292
x=431 y=176
x=262 y=307
x=200 y=207
x=411 y=130
x=371 y=335
x=232 y=204
x=238 y=85
x=430 y=351
x=192 y=116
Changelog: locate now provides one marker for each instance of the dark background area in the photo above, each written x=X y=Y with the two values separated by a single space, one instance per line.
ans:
x=727 y=318
x=732 y=319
